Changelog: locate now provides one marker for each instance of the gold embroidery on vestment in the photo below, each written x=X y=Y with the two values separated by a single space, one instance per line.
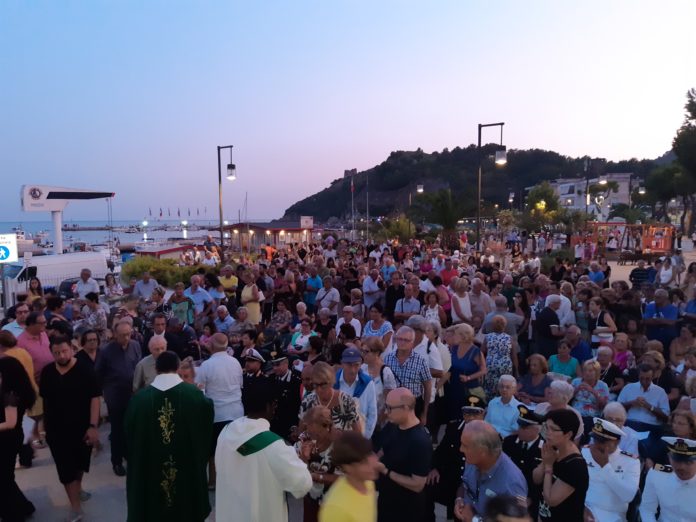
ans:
x=167 y=484
x=166 y=422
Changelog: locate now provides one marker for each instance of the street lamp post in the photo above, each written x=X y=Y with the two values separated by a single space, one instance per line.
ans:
x=500 y=159
x=231 y=175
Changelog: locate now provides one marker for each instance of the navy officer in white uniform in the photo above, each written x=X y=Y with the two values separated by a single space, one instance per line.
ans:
x=614 y=474
x=673 y=488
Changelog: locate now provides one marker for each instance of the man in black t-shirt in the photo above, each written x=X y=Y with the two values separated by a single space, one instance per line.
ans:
x=406 y=451
x=70 y=392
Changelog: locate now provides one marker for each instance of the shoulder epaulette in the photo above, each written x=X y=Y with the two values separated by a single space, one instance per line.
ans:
x=629 y=454
x=662 y=467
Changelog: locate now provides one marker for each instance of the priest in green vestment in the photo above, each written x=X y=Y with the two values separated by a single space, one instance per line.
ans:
x=169 y=428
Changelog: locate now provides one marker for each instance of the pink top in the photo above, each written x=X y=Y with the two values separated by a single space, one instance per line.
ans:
x=39 y=349
x=621 y=360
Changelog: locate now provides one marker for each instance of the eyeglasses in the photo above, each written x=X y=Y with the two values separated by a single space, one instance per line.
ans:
x=392 y=408
x=551 y=428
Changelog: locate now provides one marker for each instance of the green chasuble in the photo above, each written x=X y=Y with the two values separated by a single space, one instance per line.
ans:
x=168 y=440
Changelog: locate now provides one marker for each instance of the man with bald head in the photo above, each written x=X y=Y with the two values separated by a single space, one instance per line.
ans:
x=660 y=318
x=488 y=472
x=406 y=451
x=145 y=371
x=221 y=379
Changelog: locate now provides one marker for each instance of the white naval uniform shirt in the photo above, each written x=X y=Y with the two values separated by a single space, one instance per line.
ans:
x=675 y=497
x=611 y=487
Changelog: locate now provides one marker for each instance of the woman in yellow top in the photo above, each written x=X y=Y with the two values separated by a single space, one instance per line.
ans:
x=9 y=348
x=35 y=290
x=250 y=298
x=352 y=497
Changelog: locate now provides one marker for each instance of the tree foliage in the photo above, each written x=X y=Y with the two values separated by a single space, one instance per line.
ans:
x=391 y=181
x=442 y=208
x=684 y=143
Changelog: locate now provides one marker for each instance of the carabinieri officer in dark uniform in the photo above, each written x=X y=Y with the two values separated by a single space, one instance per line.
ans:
x=288 y=385
x=448 y=462
x=524 y=449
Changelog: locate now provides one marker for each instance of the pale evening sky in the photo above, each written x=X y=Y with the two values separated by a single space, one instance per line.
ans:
x=133 y=97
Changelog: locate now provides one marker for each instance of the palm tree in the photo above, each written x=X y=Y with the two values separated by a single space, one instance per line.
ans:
x=443 y=209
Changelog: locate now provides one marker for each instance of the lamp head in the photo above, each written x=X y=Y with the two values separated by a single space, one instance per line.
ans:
x=501 y=157
x=231 y=171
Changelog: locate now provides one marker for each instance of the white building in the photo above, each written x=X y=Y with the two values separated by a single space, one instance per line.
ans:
x=571 y=193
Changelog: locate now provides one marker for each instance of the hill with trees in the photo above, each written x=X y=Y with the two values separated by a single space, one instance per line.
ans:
x=393 y=181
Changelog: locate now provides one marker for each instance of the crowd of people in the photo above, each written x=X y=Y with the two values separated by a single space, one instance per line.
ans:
x=371 y=381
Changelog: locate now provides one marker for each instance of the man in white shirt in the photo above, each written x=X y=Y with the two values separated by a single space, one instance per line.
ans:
x=255 y=468
x=502 y=412
x=86 y=284
x=221 y=378
x=351 y=380
x=327 y=297
x=614 y=475
x=647 y=404
x=371 y=290
x=672 y=488
x=429 y=352
x=349 y=318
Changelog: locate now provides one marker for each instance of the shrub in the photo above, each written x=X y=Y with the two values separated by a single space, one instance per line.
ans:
x=166 y=271
x=548 y=260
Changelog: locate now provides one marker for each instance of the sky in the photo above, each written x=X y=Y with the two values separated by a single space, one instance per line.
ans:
x=133 y=97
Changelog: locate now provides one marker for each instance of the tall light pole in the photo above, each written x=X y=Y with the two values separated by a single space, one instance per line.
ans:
x=500 y=159
x=231 y=175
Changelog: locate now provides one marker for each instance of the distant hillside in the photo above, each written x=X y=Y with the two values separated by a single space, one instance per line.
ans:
x=391 y=181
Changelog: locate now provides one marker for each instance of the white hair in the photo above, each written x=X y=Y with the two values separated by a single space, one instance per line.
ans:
x=507 y=378
x=563 y=389
x=605 y=350
x=614 y=409
x=553 y=298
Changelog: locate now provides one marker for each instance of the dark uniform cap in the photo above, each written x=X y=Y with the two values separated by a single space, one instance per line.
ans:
x=474 y=405
x=528 y=417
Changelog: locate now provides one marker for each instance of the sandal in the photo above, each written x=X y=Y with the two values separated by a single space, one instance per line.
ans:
x=38 y=444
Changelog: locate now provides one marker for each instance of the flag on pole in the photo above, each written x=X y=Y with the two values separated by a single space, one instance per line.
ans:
x=160 y=211
x=352 y=185
x=178 y=212
x=169 y=212
x=150 y=209
x=198 y=212
x=189 y=212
